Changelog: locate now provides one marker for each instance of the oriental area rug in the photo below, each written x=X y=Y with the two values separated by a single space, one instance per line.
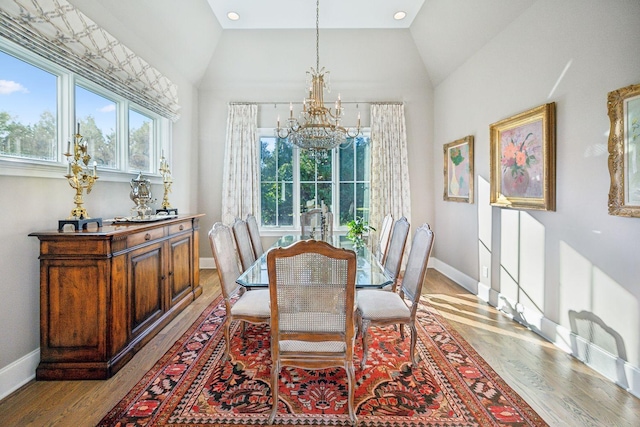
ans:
x=451 y=385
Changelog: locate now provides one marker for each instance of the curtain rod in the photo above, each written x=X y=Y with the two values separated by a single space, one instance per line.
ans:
x=300 y=103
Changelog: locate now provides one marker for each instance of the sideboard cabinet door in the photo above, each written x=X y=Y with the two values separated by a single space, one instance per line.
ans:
x=147 y=276
x=180 y=269
x=72 y=306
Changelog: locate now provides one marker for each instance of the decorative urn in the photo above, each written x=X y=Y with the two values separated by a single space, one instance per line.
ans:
x=141 y=196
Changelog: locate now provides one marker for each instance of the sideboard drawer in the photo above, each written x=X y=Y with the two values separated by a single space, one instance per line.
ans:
x=180 y=227
x=145 y=236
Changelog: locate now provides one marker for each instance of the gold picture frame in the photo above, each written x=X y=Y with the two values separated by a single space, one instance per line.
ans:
x=624 y=151
x=523 y=164
x=458 y=170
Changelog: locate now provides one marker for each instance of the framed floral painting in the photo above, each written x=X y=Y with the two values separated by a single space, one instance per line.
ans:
x=523 y=169
x=458 y=170
x=624 y=151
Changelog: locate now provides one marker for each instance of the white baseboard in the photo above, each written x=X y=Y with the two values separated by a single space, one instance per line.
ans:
x=460 y=278
x=625 y=375
x=207 y=263
x=18 y=373
x=619 y=371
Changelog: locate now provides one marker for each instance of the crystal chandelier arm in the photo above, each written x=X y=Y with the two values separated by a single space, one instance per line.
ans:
x=352 y=135
x=282 y=133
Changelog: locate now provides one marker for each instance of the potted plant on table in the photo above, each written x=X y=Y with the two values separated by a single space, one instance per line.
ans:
x=357 y=227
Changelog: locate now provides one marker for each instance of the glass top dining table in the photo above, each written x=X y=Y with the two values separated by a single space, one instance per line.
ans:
x=369 y=274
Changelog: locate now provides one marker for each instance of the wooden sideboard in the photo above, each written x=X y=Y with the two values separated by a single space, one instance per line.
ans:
x=105 y=293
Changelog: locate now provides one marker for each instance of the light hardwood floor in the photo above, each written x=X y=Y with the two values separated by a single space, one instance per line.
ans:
x=562 y=390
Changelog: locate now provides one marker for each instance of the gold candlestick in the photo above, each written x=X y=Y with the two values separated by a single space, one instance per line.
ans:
x=80 y=175
x=166 y=181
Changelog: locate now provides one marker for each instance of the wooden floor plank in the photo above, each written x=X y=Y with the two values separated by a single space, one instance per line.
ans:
x=562 y=390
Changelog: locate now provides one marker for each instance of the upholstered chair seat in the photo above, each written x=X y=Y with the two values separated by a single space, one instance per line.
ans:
x=376 y=304
x=252 y=303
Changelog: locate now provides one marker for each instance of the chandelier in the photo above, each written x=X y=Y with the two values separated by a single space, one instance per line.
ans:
x=320 y=130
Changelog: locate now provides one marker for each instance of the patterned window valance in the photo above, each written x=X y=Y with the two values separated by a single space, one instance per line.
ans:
x=58 y=31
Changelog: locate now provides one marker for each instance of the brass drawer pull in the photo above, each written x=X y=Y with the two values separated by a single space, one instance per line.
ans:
x=147 y=236
x=181 y=227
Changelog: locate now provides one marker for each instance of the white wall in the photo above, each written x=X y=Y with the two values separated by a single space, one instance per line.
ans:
x=571 y=52
x=270 y=66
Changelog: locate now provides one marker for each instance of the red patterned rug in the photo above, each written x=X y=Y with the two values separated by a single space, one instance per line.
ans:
x=451 y=386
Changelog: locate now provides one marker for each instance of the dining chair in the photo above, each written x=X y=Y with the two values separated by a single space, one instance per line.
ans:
x=328 y=223
x=312 y=293
x=393 y=260
x=311 y=222
x=252 y=306
x=254 y=234
x=383 y=238
x=243 y=243
x=377 y=307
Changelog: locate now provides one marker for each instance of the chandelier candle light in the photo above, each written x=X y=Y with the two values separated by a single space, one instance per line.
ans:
x=81 y=177
x=320 y=130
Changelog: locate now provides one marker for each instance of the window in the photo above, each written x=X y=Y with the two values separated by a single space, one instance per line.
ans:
x=355 y=172
x=96 y=116
x=276 y=182
x=140 y=141
x=292 y=181
x=41 y=105
x=28 y=110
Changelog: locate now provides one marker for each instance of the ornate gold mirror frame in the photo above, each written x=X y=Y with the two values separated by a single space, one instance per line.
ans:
x=624 y=151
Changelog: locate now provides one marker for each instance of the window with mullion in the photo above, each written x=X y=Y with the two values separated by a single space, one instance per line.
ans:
x=41 y=105
x=28 y=110
x=276 y=182
x=355 y=176
x=341 y=181
x=141 y=137
x=316 y=183
x=96 y=116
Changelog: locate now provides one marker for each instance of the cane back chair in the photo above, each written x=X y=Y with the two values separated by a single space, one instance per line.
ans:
x=243 y=243
x=381 y=308
x=393 y=259
x=254 y=234
x=312 y=291
x=251 y=306
x=383 y=238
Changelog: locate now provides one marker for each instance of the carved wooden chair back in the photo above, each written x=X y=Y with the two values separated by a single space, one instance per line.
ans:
x=250 y=306
x=310 y=223
x=312 y=289
x=254 y=233
x=393 y=259
x=243 y=243
x=381 y=308
x=384 y=236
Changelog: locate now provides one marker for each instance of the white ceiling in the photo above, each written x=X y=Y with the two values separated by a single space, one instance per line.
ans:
x=289 y=14
x=446 y=32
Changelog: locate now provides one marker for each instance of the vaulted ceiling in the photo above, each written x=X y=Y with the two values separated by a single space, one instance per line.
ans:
x=446 y=32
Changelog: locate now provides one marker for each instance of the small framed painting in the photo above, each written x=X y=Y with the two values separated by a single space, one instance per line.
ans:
x=523 y=166
x=624 y=151
x=458 y=170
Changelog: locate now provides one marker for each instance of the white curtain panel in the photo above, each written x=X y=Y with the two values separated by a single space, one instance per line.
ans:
x=241 y=175
x=390 y=192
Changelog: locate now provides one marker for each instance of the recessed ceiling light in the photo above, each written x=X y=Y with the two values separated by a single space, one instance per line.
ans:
x=399 y=15
x=233 y=16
